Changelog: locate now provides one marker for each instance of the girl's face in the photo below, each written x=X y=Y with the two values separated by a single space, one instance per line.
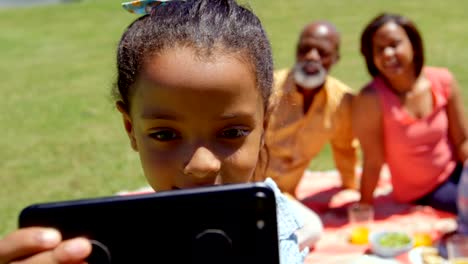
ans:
x=392 y=51
x=195 y=121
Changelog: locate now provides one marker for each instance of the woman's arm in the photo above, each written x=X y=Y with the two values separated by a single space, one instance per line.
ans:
x=458 y=126
x=367 y=126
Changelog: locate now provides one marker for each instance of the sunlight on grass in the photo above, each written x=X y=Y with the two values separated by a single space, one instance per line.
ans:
x=62 y=137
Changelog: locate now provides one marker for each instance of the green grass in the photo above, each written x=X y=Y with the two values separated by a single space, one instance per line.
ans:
x=62 y=137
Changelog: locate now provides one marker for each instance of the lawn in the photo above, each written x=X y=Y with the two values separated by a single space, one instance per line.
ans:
x=62 y=137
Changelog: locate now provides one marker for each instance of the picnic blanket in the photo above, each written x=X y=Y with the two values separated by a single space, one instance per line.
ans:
x=320 y=191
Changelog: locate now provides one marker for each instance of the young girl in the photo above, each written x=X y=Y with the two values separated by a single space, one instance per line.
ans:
x=409 y=116
x=193 y=85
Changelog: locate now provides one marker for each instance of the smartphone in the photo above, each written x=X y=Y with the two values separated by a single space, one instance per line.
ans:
x=233 y=223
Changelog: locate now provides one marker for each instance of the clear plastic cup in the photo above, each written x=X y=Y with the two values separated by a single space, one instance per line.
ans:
x=457 y=249
x=360 y=214
x=360 y=218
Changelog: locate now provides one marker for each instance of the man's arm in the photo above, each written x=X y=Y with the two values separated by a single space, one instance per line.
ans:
x=343 y=144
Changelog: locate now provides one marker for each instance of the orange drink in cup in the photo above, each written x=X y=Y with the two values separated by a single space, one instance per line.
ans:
x=422 y=239
x=360 y=218
x=359 y=235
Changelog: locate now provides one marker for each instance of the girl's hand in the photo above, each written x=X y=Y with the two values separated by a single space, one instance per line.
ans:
x=36 y=245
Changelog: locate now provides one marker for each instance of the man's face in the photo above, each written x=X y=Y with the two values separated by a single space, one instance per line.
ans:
x=317 y=43
x=317 y=51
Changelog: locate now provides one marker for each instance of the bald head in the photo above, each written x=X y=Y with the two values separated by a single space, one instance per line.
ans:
x=322 y=29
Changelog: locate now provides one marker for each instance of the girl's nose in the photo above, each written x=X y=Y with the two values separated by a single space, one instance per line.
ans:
x=203 y=166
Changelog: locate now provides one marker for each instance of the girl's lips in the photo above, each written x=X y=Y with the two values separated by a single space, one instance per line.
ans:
x=194 y=185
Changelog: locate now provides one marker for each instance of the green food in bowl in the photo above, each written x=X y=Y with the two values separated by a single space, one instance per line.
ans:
x=394 y=240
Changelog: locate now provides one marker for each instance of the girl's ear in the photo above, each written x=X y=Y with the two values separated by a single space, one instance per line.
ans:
x=127 y=124
x=266 y=121
x=260 y=169
x=262 y=140
x=265 y=126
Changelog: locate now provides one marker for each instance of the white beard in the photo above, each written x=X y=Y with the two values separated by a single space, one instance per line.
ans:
x=309 y=81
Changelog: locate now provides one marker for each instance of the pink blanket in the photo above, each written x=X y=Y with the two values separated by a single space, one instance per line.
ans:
x=320 y=191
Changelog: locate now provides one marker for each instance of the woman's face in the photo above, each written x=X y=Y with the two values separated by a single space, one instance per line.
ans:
x=392 y=51
x=195 y=121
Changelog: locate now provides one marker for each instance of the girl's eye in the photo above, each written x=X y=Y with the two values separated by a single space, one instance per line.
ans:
x=165 y=135
x=233 y=133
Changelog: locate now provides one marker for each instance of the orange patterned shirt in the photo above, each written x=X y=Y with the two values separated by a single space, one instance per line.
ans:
x=294 y=138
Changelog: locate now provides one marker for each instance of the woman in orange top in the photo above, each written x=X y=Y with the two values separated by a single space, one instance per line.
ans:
x=409 y=116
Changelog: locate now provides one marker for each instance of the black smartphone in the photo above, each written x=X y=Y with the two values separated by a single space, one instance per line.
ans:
x=233 y=223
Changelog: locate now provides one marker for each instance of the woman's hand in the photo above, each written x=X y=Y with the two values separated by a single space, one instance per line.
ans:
x=36 y=245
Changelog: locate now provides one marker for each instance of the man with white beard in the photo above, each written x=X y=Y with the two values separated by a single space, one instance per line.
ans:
x=310 y=109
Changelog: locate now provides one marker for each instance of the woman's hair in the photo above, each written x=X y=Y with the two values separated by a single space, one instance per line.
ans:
x=210 y=27
x=410 y=29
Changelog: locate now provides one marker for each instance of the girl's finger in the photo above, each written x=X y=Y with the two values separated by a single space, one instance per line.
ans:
x=27 y=241
x=73 y=251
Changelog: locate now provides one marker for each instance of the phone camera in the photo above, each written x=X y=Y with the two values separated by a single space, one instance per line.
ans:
x=260 y=224
x=212 y=246
x=100 y=254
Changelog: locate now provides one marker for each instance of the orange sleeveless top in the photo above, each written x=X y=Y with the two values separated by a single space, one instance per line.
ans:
x=418 y=152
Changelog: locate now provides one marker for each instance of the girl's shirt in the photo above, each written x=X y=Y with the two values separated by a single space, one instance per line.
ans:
x=418 y=152
x=288 y=224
